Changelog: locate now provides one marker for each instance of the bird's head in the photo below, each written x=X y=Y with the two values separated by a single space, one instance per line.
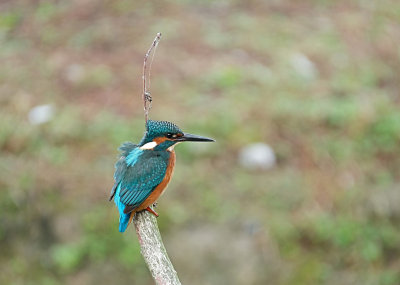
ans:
x=162 y=135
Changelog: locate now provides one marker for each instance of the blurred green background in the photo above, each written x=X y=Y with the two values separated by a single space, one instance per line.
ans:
x=318 y=81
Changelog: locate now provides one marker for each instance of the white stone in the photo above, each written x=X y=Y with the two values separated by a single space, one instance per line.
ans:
x=303 y=66
x=257 y=156
x=41 y=114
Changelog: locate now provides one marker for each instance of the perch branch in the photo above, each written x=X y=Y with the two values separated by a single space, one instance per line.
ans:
x=153 y=250
x=146 y=76
x=152 y=247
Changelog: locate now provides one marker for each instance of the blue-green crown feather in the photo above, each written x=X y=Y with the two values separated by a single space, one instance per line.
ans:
x=158 y=129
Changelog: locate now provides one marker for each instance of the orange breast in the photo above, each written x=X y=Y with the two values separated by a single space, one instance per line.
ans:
x=161 y=187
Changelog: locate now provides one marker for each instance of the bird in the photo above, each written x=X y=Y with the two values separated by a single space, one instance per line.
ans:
x=144 y=170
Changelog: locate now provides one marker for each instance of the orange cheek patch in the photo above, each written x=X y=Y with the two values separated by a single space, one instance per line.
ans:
x=159 y=140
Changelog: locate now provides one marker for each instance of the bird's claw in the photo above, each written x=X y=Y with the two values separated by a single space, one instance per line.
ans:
x=152 y=211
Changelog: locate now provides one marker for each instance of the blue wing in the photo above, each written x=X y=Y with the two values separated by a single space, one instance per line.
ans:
x=121 y=165
x=141 y=178
x=137 y=174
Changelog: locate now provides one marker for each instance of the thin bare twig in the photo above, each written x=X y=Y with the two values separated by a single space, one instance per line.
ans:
x=147 y=99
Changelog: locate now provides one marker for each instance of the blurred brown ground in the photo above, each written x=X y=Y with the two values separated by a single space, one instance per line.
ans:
x=318 y=81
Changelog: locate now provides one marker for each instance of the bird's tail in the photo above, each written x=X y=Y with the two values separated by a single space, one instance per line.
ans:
x=124 y=220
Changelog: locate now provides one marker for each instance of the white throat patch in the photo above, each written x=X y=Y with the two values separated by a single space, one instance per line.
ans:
x=171 y=148
x=149 y=145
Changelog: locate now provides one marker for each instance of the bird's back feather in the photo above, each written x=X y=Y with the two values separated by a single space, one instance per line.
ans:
x=142 y=177
x=138 y=172
x=120 y=165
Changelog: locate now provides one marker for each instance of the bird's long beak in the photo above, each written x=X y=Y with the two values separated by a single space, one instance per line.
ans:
x=193 y=138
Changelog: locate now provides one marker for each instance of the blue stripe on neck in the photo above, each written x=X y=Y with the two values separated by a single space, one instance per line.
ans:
x=133 y=156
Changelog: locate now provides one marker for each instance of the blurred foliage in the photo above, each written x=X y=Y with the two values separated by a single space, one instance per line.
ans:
x=316 y=80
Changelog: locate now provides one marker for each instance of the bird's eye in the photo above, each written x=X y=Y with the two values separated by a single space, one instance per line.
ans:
x=171 y=136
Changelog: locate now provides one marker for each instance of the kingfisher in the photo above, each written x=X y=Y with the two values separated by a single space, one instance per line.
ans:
x=144 y=170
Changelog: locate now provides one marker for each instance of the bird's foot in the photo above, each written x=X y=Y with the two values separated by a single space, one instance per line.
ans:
x=151 y=211
x=155 y=204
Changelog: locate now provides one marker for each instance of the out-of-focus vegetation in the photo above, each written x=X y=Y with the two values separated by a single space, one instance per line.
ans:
x=316 y=80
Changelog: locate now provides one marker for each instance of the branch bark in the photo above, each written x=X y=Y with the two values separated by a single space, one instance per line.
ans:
x=153 y=250
x=152 y=247
x=147 y=99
